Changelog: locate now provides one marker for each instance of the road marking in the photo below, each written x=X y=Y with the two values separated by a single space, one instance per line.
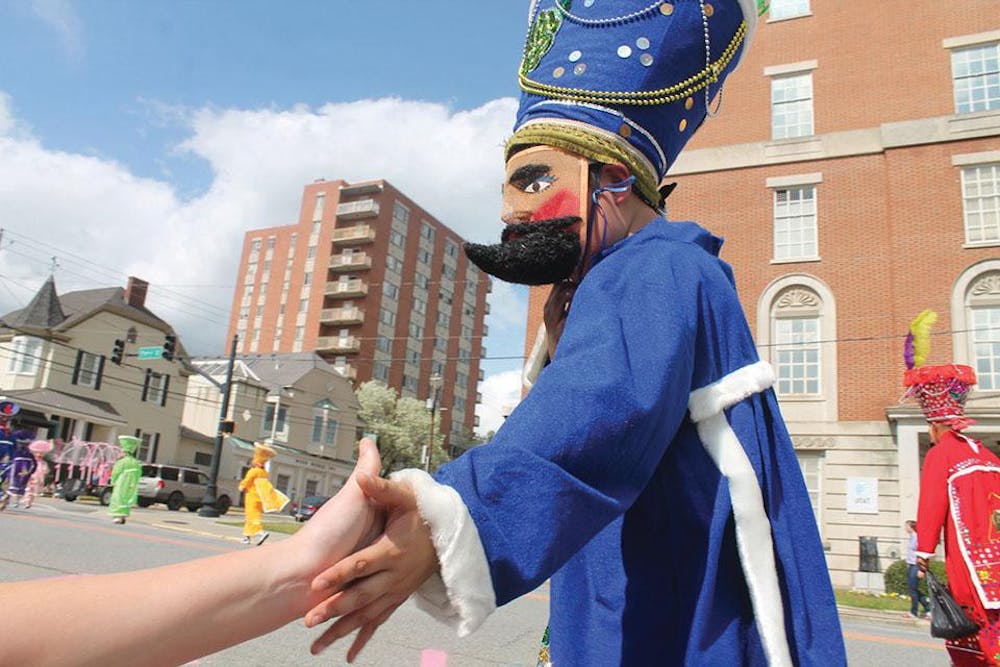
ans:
x=894 y=640
x=195 y=532
x=432 y=658
x=122 y=532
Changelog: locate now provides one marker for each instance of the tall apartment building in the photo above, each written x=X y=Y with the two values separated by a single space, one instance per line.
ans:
x=375 y=285
x=854 y=172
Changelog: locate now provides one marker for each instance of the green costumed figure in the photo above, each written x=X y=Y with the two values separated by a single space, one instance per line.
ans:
x=125 y=480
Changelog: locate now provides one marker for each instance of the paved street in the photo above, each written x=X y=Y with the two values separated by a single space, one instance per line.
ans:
x=56 y=538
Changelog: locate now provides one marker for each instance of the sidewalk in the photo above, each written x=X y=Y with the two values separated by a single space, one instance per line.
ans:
x=895 y=617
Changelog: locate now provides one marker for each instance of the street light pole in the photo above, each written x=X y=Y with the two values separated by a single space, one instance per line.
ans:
x=436 y=380
x=208 y=502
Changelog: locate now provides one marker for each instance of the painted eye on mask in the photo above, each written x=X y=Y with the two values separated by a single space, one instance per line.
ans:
x=540 y=184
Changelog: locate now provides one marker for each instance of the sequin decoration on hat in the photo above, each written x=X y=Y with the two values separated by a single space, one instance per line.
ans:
x=626 y=81
x=940 y=390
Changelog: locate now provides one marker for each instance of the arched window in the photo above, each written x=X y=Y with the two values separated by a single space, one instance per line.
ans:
x=976 y=322
x=796 y=332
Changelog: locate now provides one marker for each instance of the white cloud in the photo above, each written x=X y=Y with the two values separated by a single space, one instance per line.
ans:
x=61 y=17
x=103 y=223
x=501 y=392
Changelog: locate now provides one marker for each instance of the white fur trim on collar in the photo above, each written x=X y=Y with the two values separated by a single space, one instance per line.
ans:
x=724 y=393
x=461 y=595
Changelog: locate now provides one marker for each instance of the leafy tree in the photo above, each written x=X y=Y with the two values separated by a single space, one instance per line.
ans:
x=402 y=426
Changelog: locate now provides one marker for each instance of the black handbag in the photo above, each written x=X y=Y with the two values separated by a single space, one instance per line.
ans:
x=948 y=619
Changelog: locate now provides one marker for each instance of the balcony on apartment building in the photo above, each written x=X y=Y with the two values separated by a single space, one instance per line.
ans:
x=350 y=262
x=347 y=370
x=356 y=210
x=355 y=234
x=346 y=288
x=359 y=189
x=348 y=315
x=337 y=344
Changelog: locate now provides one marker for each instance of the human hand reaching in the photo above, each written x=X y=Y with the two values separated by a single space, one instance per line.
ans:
x=347 y=522
x=366 y=587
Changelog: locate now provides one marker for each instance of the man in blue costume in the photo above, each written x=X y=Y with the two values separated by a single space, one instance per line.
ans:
x=648 y=473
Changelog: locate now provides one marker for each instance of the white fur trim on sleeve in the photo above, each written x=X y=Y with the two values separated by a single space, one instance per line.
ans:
x=462 y=595
x=724 y=393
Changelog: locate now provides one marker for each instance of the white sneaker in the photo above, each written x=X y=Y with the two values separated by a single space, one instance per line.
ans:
x=261 y=536
x=245 y=540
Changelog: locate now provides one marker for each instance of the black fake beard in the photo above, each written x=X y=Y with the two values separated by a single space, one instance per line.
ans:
x=543 y=253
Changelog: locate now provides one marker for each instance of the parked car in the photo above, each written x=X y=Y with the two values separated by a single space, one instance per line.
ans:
x=177 y=487
x=303 y=511
x=74 y=487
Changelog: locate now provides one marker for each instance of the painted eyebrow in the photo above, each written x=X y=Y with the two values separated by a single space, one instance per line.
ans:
x=528 y=172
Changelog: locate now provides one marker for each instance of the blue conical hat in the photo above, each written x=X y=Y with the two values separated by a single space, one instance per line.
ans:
x=627 y=80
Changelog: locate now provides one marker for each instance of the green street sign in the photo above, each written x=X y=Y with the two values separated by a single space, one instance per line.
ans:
x=151 y=352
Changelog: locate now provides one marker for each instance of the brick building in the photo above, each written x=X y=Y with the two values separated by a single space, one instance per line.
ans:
x=375 y=285
x=854 y=172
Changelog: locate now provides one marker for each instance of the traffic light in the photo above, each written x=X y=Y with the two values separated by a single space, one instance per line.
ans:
x=169 y=344
x=118 y=353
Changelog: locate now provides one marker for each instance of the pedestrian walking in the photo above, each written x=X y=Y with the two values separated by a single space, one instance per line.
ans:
x=125 y=480
x=913 y=574
x=959 y=492
x=256 y=484
x=38 y=448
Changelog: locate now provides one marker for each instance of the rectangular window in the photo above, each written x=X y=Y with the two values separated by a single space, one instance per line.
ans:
x=311 y=254
x=400 y=213
x=303 y=305
x=421 y=280
x=155 y=389
x=450 y=248
x=202 y=459
x=986 y=346
x=393 y=263
x=981 y=203
x=811 y=464
x=25 y=355
x=380 y=371
x=299 y=332
x=270 y=243
x=416 y=331
x=397 y=239
x=386 y=316
x=797 y=355
x=390 y=290
x=311 y=486
x=284 y=484
x=427 y=232
x=318 y=206
x=412 y=356
x=255 y=246
x=271 y=424
x=410 y=383
x=88 y=370
x=384 y=344
x=448 y=272
x=307 y=279
x=791 y=106
x=423 y=256
x=786 y=9
x=419 y=306
x=795 y=223
x=317 y=434
x=976 y=74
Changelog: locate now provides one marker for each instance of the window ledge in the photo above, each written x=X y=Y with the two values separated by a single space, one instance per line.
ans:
x=798 y=260
x=981 y=244
x=800 y=398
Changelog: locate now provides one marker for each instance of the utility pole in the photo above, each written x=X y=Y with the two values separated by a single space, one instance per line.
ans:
x=208 y=503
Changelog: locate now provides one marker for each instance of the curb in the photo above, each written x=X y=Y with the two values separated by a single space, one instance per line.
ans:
x=894 y=617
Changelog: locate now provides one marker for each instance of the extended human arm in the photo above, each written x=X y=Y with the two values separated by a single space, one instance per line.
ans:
x=188 y=609
x=932 y=506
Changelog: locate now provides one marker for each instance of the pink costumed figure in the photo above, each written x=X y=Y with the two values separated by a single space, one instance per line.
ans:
x=39 y=448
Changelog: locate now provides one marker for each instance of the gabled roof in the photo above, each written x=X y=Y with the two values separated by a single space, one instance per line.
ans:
x=51 y=312
x=280 y=370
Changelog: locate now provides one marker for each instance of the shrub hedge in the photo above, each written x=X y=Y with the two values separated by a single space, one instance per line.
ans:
x=895 y=577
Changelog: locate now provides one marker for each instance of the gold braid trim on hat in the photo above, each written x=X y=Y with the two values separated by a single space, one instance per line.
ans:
x=685 y=88
x=594 y=143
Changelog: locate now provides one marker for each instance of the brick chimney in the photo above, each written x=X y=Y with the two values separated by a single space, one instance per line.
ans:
x=135 y=292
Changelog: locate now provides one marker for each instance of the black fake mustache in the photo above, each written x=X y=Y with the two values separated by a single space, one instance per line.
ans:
x=530 y=253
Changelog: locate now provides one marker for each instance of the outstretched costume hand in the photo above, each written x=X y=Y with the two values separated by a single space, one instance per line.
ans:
x=367 y=587
x=328 y=535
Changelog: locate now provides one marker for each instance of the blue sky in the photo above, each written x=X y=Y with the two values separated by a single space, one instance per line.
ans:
x=143 y=138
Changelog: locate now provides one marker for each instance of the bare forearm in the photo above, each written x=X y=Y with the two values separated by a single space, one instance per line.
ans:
x=163 y=616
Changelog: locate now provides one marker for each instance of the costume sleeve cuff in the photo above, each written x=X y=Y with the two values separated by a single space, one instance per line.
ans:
x=461 y=594
x=925 y=554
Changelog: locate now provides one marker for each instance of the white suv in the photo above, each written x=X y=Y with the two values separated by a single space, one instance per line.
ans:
x=178 y=487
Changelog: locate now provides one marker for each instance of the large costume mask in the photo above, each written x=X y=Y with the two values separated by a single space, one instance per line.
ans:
x=544 y=206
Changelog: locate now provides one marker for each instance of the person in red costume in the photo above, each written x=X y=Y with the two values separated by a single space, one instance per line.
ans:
x=960 y=493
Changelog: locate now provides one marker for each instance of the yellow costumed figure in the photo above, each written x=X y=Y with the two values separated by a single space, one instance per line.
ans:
x=260 y=496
